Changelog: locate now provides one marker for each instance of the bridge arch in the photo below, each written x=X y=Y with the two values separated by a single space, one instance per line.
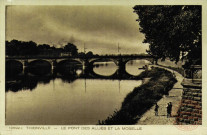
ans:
x=125 y=60
x=69 y=60
x=13 y=67
x=69 y=67
x=12 y=60
x=39 y=66
x=93 y=60
x=45 y=60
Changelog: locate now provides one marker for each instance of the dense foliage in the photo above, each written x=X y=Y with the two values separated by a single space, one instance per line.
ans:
x=22 y=48
x=71 y=48
x=172 y=31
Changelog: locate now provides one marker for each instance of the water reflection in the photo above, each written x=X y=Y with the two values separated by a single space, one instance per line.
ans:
x=62 y=103
x=69 y=68
x=36 y=98
x=133 y=66
x=25 y=82
x=40 y=72
x=109 y=68
x=39 y=67
x=105 y=68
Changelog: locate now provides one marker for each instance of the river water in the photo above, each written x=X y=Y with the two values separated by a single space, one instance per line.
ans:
x=79 y=102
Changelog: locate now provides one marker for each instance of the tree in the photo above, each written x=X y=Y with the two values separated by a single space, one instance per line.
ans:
x=172 y=31
x=71 y=48
x=89 y=54
x=21 y=48
x=43 y=47
x=13 y=47
x=28 y=48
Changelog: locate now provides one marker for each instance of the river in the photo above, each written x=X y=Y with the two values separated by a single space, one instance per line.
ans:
x=77 y=102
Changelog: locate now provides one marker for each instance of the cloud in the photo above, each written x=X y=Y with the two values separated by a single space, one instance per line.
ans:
x=100 y=27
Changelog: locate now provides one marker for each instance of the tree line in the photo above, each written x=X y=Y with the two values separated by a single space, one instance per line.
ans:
x=30 y=48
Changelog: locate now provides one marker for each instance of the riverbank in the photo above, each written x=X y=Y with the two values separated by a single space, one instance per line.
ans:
x=175 y=96
x=142 y=98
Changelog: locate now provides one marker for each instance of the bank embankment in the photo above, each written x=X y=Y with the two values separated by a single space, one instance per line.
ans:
x=175 y=96
x=142 y=97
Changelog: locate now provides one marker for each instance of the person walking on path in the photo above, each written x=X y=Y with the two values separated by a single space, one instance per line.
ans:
x=168 y=109
x=156 y=109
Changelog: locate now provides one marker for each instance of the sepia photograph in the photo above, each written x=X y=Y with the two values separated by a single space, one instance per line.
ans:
x=103 y=65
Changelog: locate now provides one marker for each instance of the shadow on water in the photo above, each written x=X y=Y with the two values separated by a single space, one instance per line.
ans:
x=13 y=67
x=37 y=72
x=68 y=70
x=22 y=82
x=41 y=72
x=30 y=82
x=39 y=67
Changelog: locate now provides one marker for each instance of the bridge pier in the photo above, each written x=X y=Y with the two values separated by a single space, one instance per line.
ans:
x=24 y=65
x=85 y=67
x=121 y=68
x=53 y=65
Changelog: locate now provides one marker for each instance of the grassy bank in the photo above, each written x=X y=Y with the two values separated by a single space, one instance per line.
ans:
x=142 y=98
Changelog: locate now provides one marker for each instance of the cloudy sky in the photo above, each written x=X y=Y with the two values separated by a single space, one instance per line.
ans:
x=101 y=28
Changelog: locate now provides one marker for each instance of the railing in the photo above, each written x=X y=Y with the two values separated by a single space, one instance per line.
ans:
x=194 y=72
x=193 y=76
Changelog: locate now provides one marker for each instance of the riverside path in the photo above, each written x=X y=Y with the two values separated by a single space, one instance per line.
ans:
x=175 y=96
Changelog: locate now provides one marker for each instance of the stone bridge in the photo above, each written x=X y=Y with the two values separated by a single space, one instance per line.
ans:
x=86 y=62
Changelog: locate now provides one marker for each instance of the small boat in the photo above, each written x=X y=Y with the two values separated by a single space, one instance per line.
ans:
x=144 y=67
x=141 y=68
